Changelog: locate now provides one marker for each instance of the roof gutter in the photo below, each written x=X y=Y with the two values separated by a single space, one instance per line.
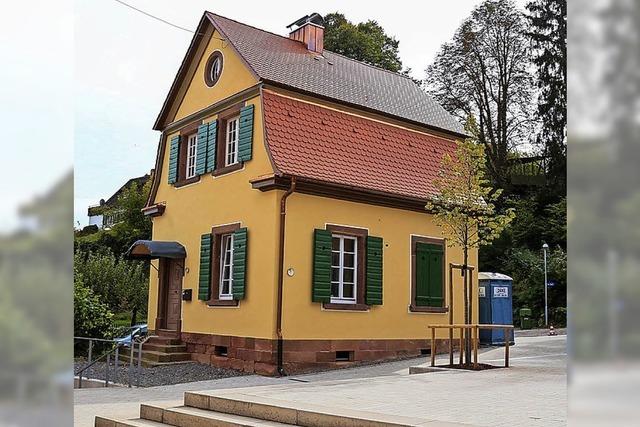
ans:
x=283 y=214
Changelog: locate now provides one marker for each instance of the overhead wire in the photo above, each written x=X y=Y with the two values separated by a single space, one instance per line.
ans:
x=164 y=21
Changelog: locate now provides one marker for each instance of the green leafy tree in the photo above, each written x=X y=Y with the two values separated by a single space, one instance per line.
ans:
x=92 y=318
x=134 y=225
x=121 y=284
x=526 y=267
x=548 y=33
x=365 y=41
x=485 y=71
x=464 y=205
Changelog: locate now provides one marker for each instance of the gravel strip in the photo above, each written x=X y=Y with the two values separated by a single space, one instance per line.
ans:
x=159 y=375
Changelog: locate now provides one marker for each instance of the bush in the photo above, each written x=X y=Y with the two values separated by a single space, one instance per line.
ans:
x=121 y=284
x=558 y=317
x=92 y=317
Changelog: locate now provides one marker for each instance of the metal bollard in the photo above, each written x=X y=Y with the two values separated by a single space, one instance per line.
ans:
x=115 y=372
x=106 y=377
x=139 y=363
x=132 y=344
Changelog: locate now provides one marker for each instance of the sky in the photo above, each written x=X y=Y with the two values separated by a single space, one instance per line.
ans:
x=35 y=101
x=125 y=63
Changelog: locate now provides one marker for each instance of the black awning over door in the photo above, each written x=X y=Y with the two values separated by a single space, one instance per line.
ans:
x=152 y=249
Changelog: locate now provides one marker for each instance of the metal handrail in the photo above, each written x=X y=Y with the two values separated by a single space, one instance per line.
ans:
x=91 y=363
x=135 y=339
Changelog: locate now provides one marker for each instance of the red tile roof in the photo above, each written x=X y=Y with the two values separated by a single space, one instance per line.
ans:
x=318 y=143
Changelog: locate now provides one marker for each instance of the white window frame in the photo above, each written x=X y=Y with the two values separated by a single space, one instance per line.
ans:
x=216 y=66
x=192 y=153
x=231 y=141
x=226 y=246
x=340 y=299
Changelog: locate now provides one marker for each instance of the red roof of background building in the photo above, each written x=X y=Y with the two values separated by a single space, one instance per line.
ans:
x=318 y=143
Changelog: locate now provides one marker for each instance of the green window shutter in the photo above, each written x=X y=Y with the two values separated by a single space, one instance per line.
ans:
x=245 y=134
x=174 y=148
x=429 y=275
x=435 y=276
x=204 y=287
x=239 y=263
x=201 y=151
x=321 y=266
x=212 y=135
x=374 y=271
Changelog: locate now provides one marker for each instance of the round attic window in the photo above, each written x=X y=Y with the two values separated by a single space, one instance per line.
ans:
x=213 y=69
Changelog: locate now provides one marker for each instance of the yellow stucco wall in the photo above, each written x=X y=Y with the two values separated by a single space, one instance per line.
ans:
x=235 y=77
x=304 y=319
x=193 y=209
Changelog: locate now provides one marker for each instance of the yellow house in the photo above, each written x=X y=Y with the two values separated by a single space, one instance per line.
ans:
x=288 y=206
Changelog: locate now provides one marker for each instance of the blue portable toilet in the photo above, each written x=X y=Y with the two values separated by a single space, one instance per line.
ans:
x=495 y=306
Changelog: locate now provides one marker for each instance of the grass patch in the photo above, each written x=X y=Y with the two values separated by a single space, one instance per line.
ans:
x=123 y=319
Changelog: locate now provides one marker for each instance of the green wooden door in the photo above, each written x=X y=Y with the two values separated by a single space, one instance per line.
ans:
x=429 y=277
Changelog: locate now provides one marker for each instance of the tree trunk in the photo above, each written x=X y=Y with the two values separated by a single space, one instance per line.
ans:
x=134 y=316
x=467 y=320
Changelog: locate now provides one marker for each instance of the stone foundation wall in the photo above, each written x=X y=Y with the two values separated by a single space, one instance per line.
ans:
x=258 y=355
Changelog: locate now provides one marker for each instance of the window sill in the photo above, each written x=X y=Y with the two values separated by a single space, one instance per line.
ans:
x=227 y=169
x=420 y=309
x=222 y=303
x=339 y=306
x=187 y=181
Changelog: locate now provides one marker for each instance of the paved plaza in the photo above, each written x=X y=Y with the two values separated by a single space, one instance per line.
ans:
x=532 y=392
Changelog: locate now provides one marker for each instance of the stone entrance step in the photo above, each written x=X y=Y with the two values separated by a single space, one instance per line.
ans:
x=159 y=351
x=232 y=408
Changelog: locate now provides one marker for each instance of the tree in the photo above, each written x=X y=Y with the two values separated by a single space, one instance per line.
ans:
x=121 y=284
x=463 y=207
x=548 y=23
x=134 y=225
x=366 y=41
x=92 y=318
x=485 y=72
x=526 y=267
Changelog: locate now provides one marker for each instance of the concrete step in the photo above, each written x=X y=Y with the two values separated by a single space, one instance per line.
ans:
x=167 y=333
x=164 y=348
x=293 y=413
x=157 y=356
x=151 y=363
x=184 y=416
x=163 y=340
x=136 y=422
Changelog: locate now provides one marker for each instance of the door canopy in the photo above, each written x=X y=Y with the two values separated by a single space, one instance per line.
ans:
x=152 y=249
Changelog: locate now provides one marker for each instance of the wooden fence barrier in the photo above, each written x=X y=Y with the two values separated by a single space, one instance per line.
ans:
x=475 y=336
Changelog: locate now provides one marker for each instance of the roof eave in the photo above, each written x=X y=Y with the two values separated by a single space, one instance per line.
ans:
x=317 y=187
x=160 y=120
x=207 y=17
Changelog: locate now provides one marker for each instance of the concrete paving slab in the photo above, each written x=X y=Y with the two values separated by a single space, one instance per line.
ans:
x=530 y=393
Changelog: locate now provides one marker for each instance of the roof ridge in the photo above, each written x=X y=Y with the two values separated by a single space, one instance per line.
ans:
x=251 y=26
x=297 y=41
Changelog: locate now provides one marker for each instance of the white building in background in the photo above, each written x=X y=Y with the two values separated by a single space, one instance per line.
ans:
x=98 y=215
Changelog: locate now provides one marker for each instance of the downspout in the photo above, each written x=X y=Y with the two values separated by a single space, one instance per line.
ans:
x=283 y=214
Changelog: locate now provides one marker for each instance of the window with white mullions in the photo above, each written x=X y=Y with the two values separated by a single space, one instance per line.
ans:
x=226 y=267
x=231 y=152
x=343 y=269
x=192 y=151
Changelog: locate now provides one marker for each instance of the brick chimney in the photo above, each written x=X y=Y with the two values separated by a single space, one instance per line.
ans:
x=310 y=31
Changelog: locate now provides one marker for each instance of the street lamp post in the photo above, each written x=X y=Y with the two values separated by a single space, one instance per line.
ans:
x=545 y=247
